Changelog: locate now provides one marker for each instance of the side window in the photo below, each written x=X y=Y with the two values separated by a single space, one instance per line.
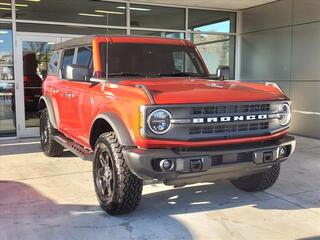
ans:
x=53 y=64
x=84 y=56
x=67 y=59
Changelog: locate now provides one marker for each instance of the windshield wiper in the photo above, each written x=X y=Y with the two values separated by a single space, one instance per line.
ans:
x=180 y=74
x=129 y=74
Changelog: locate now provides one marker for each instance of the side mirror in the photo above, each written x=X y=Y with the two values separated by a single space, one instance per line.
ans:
x=78 y=72
x=223 y=72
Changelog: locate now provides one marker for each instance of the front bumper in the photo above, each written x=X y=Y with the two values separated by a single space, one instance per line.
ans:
x=219 y=162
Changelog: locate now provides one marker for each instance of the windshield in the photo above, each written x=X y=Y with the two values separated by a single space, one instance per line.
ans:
x=140 y=59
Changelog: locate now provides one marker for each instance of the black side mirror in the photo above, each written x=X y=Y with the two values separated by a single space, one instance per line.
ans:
x=78 y=72
x=223 y=72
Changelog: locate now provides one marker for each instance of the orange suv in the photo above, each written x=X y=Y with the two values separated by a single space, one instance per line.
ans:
x=147 y=108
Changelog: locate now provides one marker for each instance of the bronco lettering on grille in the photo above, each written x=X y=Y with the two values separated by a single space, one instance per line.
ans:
x=237 y=118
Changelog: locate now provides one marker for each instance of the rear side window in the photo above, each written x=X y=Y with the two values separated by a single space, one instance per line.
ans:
x=67 y=60
x=84 y=56
x=53 y=64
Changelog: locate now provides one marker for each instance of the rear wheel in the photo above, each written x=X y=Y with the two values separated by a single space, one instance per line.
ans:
x=258 y=182
x=48 y=145
x=118 y=189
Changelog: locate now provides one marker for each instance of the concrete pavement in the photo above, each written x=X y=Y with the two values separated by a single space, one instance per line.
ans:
x=53 y=198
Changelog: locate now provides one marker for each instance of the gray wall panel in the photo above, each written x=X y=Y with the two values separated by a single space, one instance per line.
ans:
x=306 y=11
x=306 y=52
x=277 y=14
x=266 y=55
x=306 y=125
x=305 y=96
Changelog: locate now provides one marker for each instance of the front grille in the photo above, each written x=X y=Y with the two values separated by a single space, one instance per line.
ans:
x=214 y=121
x=231 y=109
x=229 y=128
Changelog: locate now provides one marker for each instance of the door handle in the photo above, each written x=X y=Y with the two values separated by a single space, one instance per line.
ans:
x=54 y=91
x=69 y=95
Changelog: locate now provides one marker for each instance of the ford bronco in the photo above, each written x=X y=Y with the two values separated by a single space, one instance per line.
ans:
x=147 y=108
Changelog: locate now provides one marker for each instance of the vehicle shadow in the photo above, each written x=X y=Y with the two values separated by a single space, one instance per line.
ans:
x=25 y=146
x=26 y=213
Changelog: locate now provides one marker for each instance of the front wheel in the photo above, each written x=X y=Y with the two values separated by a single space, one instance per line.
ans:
x=48 y=145
x=118 y=189
x=260 y=181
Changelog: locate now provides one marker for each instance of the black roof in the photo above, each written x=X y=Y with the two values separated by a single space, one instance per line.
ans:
x=80 y=41
x=87 y=40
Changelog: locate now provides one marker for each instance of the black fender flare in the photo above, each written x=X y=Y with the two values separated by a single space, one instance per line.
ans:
x=48 y=103
x=118 y=127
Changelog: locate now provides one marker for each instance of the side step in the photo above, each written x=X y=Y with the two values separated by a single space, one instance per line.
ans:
x=74 y=147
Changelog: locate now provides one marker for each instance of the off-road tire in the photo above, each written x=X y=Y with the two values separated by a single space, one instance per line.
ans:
x=258 y=182
x=125 y=189
x=48 y=145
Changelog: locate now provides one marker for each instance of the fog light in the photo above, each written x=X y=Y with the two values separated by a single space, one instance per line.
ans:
x=282 y=152
x=166 y=165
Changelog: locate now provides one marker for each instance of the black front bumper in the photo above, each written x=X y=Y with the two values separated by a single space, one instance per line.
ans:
x=219 y=162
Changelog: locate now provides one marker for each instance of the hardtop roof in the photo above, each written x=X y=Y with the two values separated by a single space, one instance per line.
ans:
x=87 y=40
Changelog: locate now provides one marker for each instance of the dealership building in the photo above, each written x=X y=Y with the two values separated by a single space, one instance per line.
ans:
x=255 y=40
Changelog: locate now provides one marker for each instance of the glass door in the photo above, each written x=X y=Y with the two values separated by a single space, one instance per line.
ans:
x=33 y=55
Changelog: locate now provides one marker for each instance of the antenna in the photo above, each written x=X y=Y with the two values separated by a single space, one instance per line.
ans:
x=107 y=50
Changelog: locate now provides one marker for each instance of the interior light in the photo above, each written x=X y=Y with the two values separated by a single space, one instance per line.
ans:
x=1 y=41
x=17 y=4
x=50 y=43
x=3 y=32
x=135 y=8
x=108 y=12
x=90 y=15
x=33 y=0
x=5 y=9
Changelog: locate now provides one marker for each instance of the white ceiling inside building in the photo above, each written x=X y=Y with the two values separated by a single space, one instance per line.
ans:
x=223 y=4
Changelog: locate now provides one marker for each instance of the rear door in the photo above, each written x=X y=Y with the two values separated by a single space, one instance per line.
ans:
x=63 y=98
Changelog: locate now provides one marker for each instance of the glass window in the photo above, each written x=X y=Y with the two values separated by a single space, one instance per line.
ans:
x=67 y=60
x=152 y=59
x=5 y=9
x=146 y=16
x=217 y=51
x=84 y=56
x=53 y=63
x=211 y=21
x=7 y=110
x=158 y=34
x=79 y=30
x=80 y=11
x=6 y=52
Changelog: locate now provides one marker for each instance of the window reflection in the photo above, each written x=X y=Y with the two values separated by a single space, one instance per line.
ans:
x=7 y=109
x=158 y=34
x=80 y=11
x=146 y=16
x=6 y=57
x=217 y=52
x=211 y=21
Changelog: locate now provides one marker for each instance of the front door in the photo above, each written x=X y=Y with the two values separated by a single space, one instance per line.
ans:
x=33 y=55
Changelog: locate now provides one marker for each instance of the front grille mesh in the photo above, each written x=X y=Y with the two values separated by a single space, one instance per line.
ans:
x=231 y=109
x=229 y=128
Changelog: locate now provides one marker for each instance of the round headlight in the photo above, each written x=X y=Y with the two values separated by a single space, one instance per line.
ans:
x=284 y=114
x=159 y=121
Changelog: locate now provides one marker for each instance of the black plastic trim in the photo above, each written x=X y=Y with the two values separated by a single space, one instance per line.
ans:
x=49 y=106
x=118 y=126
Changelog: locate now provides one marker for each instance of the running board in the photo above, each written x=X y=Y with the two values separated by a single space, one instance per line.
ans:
x=74 y=147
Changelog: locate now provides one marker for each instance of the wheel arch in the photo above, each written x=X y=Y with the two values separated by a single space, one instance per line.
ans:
x=45 y=102
x=110 y=122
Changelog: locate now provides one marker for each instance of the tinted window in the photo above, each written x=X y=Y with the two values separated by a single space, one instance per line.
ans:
x=84 y=56
x=53 y=64
x=67 y=59
x=152 y=59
